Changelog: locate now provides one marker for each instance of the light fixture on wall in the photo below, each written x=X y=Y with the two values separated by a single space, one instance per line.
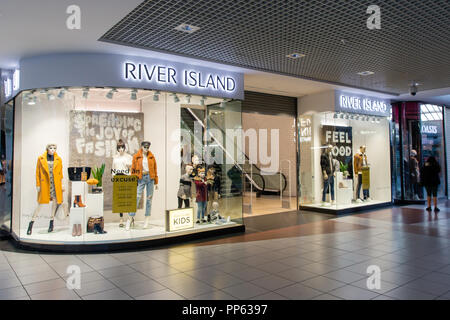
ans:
x=351 y=117
x=336 y=115
x=202 y=100
x=346 y=116
x=111 y=92
x=223 y=103
x=175 y=98
x=50 y=96
x=133 y=95
x=85 y=93
x=377 y=120
x=188 y=98
x=61 y=93
x=342 y=116
x=373 y=120
x=357 y=117
x=156 y=96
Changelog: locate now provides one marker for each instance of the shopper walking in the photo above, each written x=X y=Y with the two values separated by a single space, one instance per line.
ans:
x=430 y=180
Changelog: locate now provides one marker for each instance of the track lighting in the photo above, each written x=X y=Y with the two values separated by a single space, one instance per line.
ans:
x=85 y=93
x=111 y=92
x=342 y=116
x=202 y=101
x=346 y=116
x=223 y=103
x=357 y=117
x=336 y=115
x=156 y=96
x=50 y=96
x=175 y=98
x=32 y=100
x=188 y=98
x=133 y=95
x=61 y=93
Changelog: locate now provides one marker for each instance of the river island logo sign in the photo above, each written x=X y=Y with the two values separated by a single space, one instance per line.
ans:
x=165 y=75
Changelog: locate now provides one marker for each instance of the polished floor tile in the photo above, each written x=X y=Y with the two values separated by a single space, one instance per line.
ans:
x=245 y=291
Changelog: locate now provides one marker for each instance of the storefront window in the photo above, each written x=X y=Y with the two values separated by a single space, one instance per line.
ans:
x=344 y=160
x=6 y=147
x=107 y=164
x=418 y=134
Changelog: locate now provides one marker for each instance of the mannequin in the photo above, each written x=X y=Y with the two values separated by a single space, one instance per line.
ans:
x=414 y=174
x=360 y=161
x=121 y=166
x=202 y=195
x=144 y=167
x=213 y=187
x=48 y=184
x=328 y=172
x=196 y=164
x=185 y=189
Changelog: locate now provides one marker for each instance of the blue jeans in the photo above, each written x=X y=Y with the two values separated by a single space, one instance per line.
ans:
x=142 y=183
x=358 y=189
x=201 y=208
x=328 y=183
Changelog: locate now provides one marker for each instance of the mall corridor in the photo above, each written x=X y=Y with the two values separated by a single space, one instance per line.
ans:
x=298 y=257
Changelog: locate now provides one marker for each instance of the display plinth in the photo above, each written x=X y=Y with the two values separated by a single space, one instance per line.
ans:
x=344 y=190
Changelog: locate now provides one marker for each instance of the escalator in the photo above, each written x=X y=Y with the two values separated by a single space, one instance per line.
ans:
x=262 y=183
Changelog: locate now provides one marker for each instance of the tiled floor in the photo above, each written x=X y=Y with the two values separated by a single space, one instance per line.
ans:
x=306 y=257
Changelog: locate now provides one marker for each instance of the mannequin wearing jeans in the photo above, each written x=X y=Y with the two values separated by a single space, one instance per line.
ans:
x=144 y=167
x=327 y=166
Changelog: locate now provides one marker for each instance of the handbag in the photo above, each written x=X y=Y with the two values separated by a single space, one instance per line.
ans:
x=92 y=221
x=79 y=173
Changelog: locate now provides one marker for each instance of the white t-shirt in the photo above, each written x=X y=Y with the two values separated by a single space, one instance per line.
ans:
x=122 y=164
x=144 y=163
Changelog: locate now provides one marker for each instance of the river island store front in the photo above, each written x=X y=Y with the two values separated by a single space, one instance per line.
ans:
x=118 y=150
x=345 y=161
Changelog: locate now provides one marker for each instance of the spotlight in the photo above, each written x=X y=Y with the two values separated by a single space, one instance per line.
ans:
x=32 y=100
x=134 y=94
x=373 y=120
x=61 y=93
x=85 y=93
x=346 y=116
x=202 y=101
x=377 y=120
x=351 y=117
x=50 y=96
x=342 y=116
x=156 y=96
x=188 y=98
x=111 y=92
x=223 y=103
x=357 y=117
x=175 y=98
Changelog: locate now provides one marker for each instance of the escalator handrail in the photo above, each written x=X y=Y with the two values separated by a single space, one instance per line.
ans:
x=263 y=181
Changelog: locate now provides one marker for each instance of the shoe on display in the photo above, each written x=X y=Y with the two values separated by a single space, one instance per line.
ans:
x=228 y=219
x=127 y=227
x=416 y=197
x=436 y=209
x=121 y=225
x=74 y=230
x=198 y=221
x=79 y=232
x=205 y=220
x=147 y=222
x=50 y=227
x=333 y=202
x=429 y=209
x=324 y=204
x=30 y=228
x=368 y=199
x=359 y=201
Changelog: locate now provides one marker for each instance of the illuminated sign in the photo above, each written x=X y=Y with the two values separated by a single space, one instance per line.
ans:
x=7 y=84
x=429 y=129
x=179 y=219
x=166 y=75
x=16 y=80
x=354 y=103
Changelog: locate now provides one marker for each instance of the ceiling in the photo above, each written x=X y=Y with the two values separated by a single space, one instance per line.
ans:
x=412 y=45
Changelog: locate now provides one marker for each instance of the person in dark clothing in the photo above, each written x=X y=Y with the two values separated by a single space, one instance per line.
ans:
x=430 y=180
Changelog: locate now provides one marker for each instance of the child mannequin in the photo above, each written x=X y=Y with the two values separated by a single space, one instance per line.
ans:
x=202 y=195
x=185 y=189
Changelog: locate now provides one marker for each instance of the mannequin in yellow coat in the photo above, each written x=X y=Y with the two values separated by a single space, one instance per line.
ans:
x=48 y=184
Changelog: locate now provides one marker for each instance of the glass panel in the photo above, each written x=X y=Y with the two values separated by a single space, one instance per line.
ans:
x=121 y=155
x=344 y=160
x=6 y=174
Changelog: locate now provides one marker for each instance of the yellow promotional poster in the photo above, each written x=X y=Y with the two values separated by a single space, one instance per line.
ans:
x=365 y=178
x=124 y=193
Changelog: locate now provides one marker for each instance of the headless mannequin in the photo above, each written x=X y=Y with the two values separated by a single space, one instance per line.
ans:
x=55 y=205
x=362 y=154
x=117 y=166
x=328 y=177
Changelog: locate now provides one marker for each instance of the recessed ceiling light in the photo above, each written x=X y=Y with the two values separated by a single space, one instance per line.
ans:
x=187 y=28
x=366 y=73
x=295 y=55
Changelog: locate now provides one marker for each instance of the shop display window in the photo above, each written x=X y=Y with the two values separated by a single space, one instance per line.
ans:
x=344 y=160
x=98 y=165
x=6 y=145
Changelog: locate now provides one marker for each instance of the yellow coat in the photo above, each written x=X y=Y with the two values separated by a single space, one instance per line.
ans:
x=43 y=178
